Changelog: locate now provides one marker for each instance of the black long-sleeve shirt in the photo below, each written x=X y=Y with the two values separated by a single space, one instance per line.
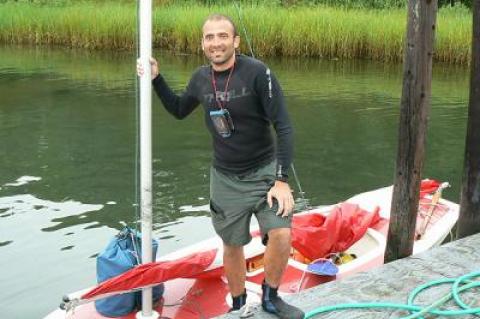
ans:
x=254 y=100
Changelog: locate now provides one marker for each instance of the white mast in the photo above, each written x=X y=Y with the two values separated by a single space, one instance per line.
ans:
x=146 y=149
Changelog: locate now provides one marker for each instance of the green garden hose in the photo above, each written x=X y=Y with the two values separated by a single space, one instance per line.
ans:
x=459 y=285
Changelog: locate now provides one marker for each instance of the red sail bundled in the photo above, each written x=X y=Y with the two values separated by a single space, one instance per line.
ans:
x=155 y=273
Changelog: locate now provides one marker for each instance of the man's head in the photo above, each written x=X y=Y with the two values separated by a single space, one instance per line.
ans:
x=219 y=40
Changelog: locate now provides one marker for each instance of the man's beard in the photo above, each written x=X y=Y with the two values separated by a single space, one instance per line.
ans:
x=222 y=61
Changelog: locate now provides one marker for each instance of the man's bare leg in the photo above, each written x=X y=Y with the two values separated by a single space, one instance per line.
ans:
x=276 y=255
x=276 y=258
x=235 y=269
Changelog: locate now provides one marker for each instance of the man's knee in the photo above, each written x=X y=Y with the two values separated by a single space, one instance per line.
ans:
x=280 y=235
x=230 y=251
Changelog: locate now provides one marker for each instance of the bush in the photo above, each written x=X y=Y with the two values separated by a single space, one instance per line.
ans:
x=370 y=4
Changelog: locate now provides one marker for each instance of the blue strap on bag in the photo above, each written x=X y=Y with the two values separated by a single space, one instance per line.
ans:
x=122 y=254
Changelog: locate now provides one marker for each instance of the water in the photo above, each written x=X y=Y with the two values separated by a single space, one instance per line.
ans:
x=67 y=155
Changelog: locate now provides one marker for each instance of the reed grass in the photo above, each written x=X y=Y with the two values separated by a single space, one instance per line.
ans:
x=275 y=31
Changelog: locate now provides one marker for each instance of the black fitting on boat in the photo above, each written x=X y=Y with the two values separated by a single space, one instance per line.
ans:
x=65 y=301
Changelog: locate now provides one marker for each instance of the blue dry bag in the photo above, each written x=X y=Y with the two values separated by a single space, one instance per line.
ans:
x=122 y=254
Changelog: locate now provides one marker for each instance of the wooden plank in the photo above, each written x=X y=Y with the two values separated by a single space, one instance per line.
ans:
x=469 y=221
x=392 y=283
x=415 y=104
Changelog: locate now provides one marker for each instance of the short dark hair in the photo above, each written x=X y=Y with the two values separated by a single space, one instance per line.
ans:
x=219 y=17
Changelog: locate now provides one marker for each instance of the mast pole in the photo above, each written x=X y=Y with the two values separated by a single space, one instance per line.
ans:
x=145 y=25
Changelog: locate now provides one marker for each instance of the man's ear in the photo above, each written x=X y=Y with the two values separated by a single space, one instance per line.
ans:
x=236 y=42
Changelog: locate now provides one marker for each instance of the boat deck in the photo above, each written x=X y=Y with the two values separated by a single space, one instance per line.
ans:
x=393 y=282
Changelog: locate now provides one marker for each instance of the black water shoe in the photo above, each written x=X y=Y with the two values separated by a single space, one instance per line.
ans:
x=272 y=303
x=240 y=306
x=238 y=302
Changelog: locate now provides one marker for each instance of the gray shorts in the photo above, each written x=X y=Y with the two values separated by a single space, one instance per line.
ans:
x=234 y=199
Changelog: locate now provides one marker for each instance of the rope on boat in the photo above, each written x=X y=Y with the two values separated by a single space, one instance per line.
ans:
x=458 y=285
x=136 y=177
x=244 y=28
x=69 y=303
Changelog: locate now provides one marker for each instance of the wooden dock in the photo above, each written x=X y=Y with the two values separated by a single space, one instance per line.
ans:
x=393 y=282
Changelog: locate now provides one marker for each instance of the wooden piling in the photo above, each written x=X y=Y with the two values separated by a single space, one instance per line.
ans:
x=415 y=104
x=469 y=221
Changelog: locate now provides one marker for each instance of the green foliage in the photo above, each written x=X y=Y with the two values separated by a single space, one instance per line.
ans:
x=366 y=4
x=51 y=3
x=371 y=4
x=317 y=31
x=453 y=3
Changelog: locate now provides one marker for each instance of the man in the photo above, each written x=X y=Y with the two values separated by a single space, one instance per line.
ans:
x=241 y=99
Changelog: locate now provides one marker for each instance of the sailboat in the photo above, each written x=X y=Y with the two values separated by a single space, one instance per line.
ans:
x=195 y=285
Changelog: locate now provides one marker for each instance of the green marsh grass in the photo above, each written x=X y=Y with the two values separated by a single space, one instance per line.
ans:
x=318 y=31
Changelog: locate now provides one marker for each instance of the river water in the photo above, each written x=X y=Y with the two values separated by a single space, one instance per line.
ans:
x=68 y=146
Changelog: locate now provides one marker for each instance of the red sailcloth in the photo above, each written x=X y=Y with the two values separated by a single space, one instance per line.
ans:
x=155 y=273
x=316 y=235
x=428 y=186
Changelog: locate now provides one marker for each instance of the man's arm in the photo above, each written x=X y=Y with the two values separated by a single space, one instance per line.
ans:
x=177 y=105
x=273 y=102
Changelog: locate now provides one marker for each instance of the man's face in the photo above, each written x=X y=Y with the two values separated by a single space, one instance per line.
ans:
x=218 y=41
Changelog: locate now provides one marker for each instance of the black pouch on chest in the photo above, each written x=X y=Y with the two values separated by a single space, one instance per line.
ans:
x=222 y=122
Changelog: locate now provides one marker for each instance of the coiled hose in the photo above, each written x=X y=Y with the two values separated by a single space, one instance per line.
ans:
x=458 y=284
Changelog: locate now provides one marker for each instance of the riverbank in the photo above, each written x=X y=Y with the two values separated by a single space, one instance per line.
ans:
x=324 y=32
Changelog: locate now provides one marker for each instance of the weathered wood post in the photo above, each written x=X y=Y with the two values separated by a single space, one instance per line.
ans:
x=469 y=221
x=415 y=105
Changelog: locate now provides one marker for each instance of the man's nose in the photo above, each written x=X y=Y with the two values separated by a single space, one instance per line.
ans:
x=216 y=40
